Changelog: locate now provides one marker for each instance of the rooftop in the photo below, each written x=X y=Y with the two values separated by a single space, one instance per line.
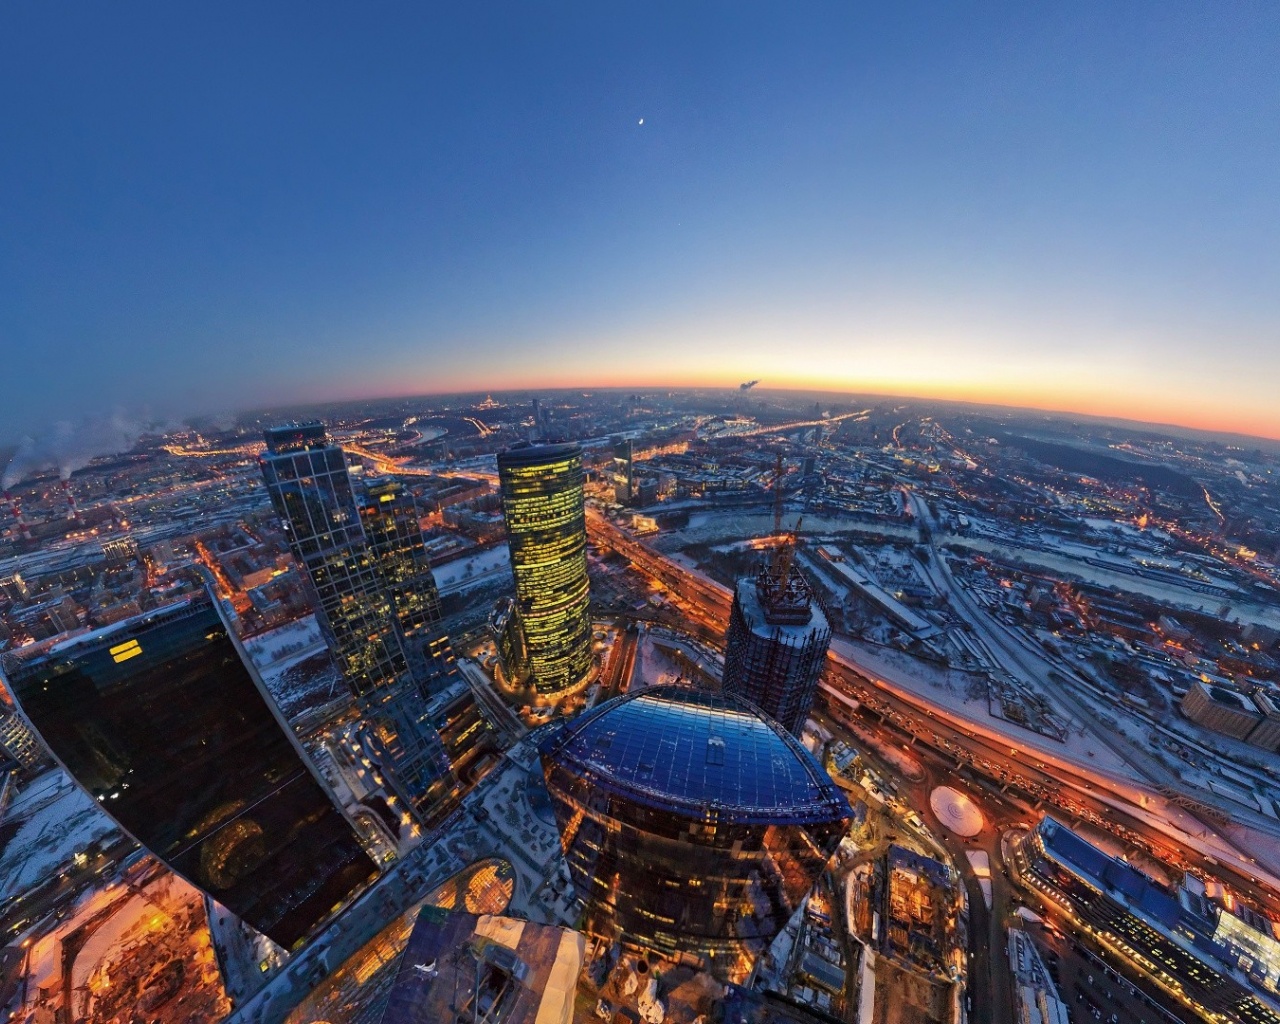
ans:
x=535 y=454
x=675 y=747
x=296 y=437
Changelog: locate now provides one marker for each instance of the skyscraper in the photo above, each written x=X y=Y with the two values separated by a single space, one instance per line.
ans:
x=375 y=597
x=689 y=821
x=161 y=719
x=390 y=519
x=542 y=503
x=306 y=476
x=777 y=641
x=623 y=472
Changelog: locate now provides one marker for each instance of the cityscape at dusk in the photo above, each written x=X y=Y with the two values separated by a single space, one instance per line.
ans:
x=602 y=514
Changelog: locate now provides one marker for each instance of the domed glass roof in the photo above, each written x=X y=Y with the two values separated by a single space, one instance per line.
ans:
x=707 y=752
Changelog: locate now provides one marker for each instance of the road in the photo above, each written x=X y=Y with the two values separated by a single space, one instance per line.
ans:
x=1077 y=790
x=1036 y=671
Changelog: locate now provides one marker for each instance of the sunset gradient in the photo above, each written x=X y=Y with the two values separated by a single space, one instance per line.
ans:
x=1065 y=208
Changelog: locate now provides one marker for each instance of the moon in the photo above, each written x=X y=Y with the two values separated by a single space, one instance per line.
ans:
x=641 y=121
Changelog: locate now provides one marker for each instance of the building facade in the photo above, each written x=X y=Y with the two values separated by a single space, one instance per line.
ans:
x=161 y=720
x=1221 y=709
x=19 y=743
x=690 y=823
x=376 y=601
x=543 y=505
x=1226 y=967
x=777 y=641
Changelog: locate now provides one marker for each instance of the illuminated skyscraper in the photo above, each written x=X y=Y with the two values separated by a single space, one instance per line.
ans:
x=689 y=822
x=623 y=472
x=389 y=516
x=161 y=719
x=777 y=641
x=542 y=503
x=375 y=597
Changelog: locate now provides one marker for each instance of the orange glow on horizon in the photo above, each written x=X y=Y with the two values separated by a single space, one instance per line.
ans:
x=1166 y=410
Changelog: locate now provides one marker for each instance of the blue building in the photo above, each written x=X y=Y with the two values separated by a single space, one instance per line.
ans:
x=690 y=822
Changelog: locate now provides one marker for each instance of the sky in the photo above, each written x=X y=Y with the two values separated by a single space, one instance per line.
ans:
x=206 y=208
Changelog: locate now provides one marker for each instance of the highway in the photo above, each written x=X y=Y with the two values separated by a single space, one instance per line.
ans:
x=1078 y=791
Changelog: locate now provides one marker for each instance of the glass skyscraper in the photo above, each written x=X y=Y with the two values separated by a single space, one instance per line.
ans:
x=542 y=503
x=162 y=721
x=690 y=822
x=375 y=596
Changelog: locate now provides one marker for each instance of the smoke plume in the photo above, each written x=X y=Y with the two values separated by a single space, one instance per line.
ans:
x=68 y=446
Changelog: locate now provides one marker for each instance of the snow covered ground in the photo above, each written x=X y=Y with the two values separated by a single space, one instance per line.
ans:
x=288 y=640
x=462 y=573
x=56 y=820
x=296 y=666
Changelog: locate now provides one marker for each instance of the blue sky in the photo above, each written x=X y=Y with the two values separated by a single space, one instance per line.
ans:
x=1067 y=206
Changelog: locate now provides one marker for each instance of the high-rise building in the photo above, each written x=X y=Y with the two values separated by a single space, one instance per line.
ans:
x=393 y=530
x=777 y=641
x=376 y=600
x=504 y=624
x=690 y=823
x=623 y=472
x=306 y=476
x=542 y=503
x=162 y=720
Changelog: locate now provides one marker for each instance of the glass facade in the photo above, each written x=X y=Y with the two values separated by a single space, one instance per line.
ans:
x=690 y=822
x=542 y=503
x=392 y=530
x=160 y=720
x=306 y=476
x=376 y=599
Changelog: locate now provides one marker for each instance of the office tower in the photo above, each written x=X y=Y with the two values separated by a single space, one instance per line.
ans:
x=391 y=524
x=777 y=641
x=539 y=421
x=542 y=503
x=306 y=476
x=374 y=594
x=623 y=472
x=163 y=721
x=690 y=822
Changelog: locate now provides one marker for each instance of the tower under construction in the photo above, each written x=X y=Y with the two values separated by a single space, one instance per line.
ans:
x=777 y=641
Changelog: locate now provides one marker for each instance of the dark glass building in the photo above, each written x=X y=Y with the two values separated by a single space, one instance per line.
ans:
x=376 y=600
x=690 y=822
x=390 y=519
x=306 y=476
x=542 y=503
x=777 y=641
x=160 y=720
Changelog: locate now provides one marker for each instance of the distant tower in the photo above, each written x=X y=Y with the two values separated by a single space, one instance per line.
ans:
x=542 y=503
x=538 y=424
x=375 y=595
x=777 y=642
x=623 y=472
x=161 y=719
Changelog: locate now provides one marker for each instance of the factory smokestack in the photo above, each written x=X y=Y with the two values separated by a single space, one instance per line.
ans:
x=72 y=511
x=15 y=506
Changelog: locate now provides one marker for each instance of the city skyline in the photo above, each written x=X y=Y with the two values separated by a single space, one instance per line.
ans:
x=1057 y=210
